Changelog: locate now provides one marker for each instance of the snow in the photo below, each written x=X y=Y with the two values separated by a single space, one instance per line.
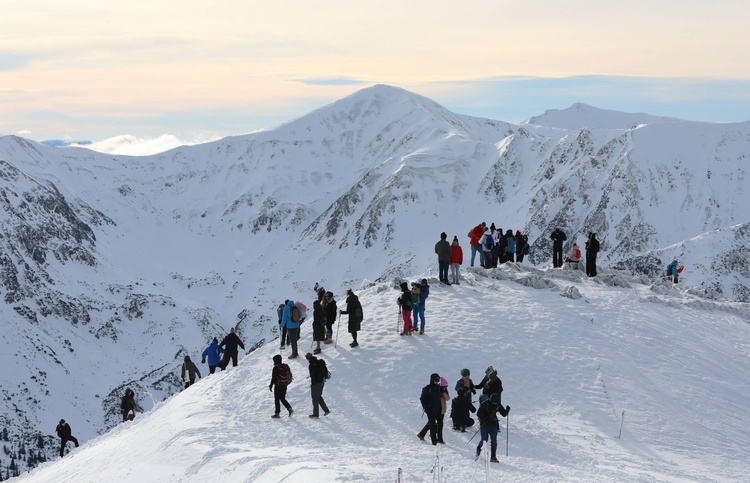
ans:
x=571 y=368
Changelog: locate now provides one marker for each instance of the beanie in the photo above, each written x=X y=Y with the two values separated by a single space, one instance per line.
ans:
x=465 y=372
x=277 y=359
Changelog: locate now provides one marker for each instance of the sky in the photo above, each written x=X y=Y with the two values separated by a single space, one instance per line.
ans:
x=607 y=379
x=165 y=72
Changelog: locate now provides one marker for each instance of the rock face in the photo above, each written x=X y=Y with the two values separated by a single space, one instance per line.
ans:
x=114 y=268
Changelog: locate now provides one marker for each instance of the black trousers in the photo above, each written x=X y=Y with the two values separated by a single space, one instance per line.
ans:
x=64 y=441
x=226 y=358
x=279 y=396
x=557 y=257
x=591 y=264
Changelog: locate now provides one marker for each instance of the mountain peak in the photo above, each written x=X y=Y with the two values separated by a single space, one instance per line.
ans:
x=583 y=116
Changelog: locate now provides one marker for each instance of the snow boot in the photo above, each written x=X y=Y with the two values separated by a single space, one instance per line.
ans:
x=316 y=351
x=493 y=454
x=275 y=416
x=479 y=451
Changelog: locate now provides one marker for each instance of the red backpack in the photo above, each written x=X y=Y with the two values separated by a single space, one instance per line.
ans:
x=285 y=375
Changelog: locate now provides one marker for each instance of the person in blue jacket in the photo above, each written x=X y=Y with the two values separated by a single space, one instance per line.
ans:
x=292 y=327
x=672 y=272
x=213 y=354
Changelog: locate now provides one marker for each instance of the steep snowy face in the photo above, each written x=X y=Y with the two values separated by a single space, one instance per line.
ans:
x=110 y=256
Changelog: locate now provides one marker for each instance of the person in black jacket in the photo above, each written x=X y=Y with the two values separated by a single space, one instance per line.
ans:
x=279 y=387
x=557 y=237
x=189 y=371
x=354 y=311
x=461 y=407
x=65 y=433
x=128 y=406
x=317 y=382
x=488 y=422
x=592 y=248
x=432 y=405
x=230 y=343
x=319 y=321
x=491 y=384
x=331 y=311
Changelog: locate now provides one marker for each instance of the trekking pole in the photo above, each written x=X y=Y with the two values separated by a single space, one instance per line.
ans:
x=338 y=324
x=473 y=436
x=506 y=435
x=621 y=423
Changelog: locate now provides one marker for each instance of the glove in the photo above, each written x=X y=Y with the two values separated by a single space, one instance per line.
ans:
x=270 y=388
x=507 y=409
x=203 y=361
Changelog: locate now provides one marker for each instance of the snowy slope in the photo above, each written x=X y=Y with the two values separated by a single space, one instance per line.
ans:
x=115 y=267
x=571 y=367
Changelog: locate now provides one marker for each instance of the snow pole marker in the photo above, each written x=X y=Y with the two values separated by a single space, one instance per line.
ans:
x=506 y=435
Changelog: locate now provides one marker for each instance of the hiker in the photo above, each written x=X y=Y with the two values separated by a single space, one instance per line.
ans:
x=466 y=383
x=404 y=302
x=65 y=433
x=475 y=241
x=461 y=409
x=418 y=310
x=354 y=311
x=189 y=371
x=491 y=384
x=284 y=335
x=592 y=248
x=230 y=342
x=497 y=244
x=673 y=271
x=213 y=354
x=488 y=242
x=291 y=312
x=318 y=375
x=521 y=242
x=432 y=406
x=329 y=306
x=281 y=376
x=319 y=321
x=443 y=250
x=510 y=246
x=489 y=425
x=574 y=257
x=128 y=406
x=557 y=237
x=457 y=258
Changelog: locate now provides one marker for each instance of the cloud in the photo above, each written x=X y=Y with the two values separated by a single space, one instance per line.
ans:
x=331 y=81
x=130 y=145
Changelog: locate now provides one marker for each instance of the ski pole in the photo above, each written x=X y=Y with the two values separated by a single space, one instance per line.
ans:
x=473 y=436
x=506 y=435
x=338 y=324
x=621 y=423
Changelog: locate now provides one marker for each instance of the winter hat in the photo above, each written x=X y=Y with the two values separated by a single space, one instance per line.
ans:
x=216 y=340
x=489 y=370
x=493 y=375
x=465 y=372
x=483 y=398
x=434 y=377
x=492 y=226
x=187 y=358
x=443 y=382
x=62 y=421
x=443 y=236
x=231 y=330
x=277 y=359
x=461 y=391
x=455 y=238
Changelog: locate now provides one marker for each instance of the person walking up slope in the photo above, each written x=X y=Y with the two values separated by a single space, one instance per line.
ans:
x=318 y=375
x=489 y=425
x=281 y=377
x=64 y=432
x=354 y=311
x=213 y=354
x=331 y=311
x=230 y=343
x=431 y=404
x=189 y=371
x=128 y=406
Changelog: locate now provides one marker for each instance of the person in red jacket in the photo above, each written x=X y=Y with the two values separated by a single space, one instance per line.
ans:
x=475 y=238
x=457 y=258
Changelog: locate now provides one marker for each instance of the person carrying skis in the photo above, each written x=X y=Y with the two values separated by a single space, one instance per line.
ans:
x=64 y=432
x=189 y=371
x=489 y=425
x=128 y=406
x=231 y=341
x=281 y=376
x=431 y=404
x=213 y=354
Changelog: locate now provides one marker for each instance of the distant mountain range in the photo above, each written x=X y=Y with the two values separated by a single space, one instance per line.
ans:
x=113 y=268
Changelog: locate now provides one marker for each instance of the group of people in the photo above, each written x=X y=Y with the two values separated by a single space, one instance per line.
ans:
x=435 y=397
x=411 y=303
x=558 y=237
x=281 y=377
x=496 y=247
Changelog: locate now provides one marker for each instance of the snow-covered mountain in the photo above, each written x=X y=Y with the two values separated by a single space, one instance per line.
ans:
x=608 y=379
x=115 y=267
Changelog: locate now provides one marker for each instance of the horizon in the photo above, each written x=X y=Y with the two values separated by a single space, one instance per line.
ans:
x=153 y=72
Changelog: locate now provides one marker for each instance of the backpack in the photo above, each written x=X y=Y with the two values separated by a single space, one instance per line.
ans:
x=285 y=375
x=488 y=241
x=295 y=314
x=525 y=249
x=302 y=310
x=322 y=370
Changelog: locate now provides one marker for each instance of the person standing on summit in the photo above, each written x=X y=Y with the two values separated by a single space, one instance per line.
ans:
x=443 y=250
x=557 y=237
x=65 y=434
